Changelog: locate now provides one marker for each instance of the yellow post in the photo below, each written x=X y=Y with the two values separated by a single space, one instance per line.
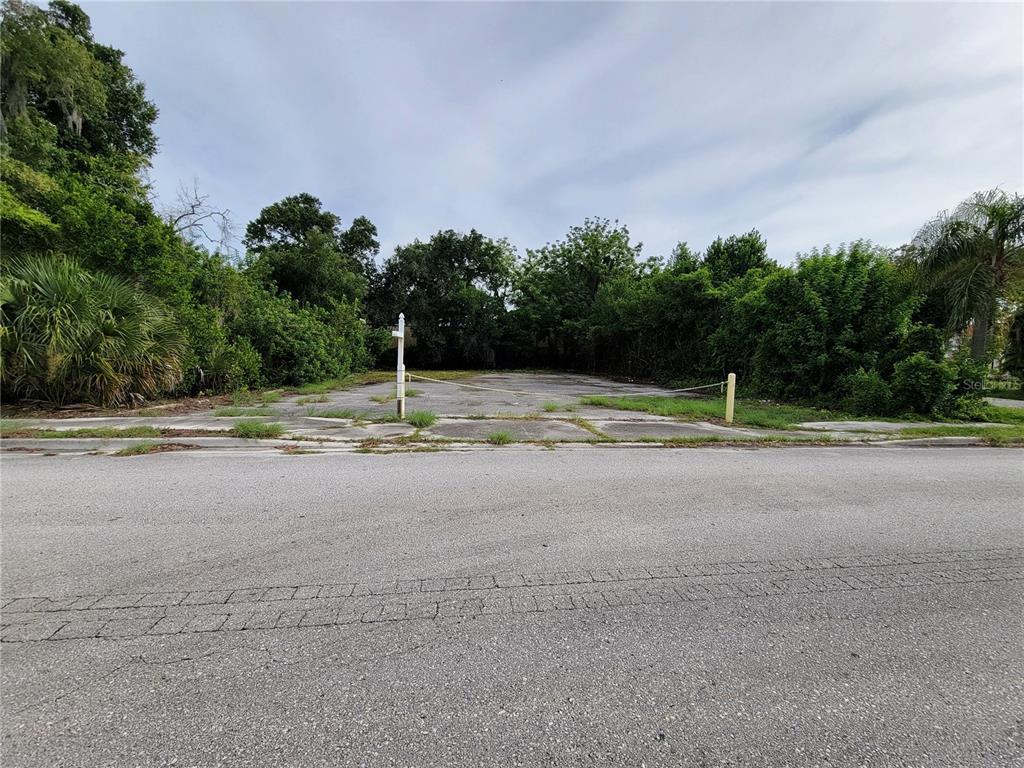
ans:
x=730 y=397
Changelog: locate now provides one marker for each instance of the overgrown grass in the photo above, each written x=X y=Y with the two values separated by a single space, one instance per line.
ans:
x=313 y=399
x=766 y=415
x=257 y=430
x=555 y=407
x=234 y=410
x=333 y=413
x=421 y=419
x=1003 y=415
x=500 y=438
x=582 y=423
x=146 y=448
x=139 y=449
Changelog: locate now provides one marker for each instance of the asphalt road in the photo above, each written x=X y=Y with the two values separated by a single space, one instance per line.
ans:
x=608 y=606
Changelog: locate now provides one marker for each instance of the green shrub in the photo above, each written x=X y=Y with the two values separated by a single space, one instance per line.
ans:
x=296 y=344
x=500 y=438
x=71 y=335
x=867 y=393
x=421 y=419
x=921 y=384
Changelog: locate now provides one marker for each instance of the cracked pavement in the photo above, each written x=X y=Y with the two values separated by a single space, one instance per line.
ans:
x=799 y=607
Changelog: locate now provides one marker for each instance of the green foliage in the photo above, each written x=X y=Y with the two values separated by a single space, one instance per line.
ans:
x=452 y=290
x=257 y=430
x=500 y=437
x=973 y=256
x=733 y=257
x=296 y=344
x=753 y=414
x=70 y=335
x=866 y=393
x=556 y=287
x=843 y=310
x=421 y=419
x=921 y=385
x=1013 y=355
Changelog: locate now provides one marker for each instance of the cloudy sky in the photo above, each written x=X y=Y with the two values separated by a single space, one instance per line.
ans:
x=815 y=123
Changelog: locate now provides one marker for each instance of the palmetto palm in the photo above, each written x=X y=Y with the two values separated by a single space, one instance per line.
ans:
x=73 y=335
x=973 y=255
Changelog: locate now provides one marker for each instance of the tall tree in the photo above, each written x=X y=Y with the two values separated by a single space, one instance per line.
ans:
x=452 y=291
x=974 y=254
x=556 y=286
x=298 y=247
x=735 y=256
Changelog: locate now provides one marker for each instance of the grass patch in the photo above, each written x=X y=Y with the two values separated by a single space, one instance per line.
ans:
x=421 y=419
x=1004 y=415
x=144 y=449
x=313 y=399
x=755 y=414
x=500 y=438
x=383 y=398
x=234 y=410
x=550 y=407
x=584 y=424
x=256 y=430
x=332 y=413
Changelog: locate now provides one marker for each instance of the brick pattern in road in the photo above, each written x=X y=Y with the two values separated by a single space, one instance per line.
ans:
x=120 y=616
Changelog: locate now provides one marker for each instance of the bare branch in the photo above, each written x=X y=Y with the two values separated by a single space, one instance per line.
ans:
x=191 y=215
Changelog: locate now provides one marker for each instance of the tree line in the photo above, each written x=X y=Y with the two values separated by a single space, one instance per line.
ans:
x=106 y=299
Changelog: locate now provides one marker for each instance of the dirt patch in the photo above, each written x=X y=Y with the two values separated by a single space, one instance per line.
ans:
x=39 y=410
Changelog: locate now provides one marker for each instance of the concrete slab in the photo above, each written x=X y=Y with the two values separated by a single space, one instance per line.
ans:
x=517 y=394
x=863 y=426
x=626 y=430
x=348 y=431
x=882 y=426
x=520 y=429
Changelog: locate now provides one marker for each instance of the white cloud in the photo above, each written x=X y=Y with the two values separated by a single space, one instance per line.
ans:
x=815 y=123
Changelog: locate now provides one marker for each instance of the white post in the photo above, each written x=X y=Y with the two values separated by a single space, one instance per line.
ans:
x=400 y=373
x=730 y=397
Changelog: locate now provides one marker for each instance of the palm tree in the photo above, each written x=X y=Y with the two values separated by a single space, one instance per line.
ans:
x=973 y=255
x=70 y=335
